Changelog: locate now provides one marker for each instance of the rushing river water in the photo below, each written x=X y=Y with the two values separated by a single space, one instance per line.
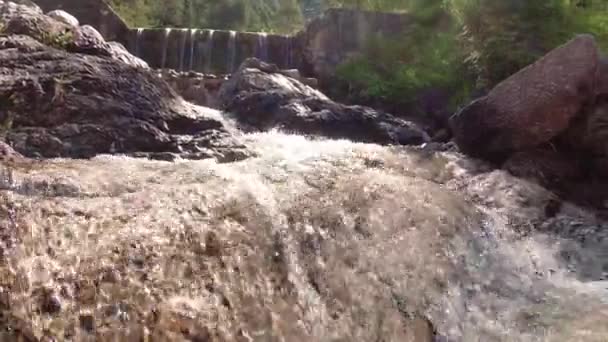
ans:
x=307 y=241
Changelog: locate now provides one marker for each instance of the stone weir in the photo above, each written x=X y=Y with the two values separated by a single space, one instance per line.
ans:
x=317 y=50
x=325 y=42
x=209 y=51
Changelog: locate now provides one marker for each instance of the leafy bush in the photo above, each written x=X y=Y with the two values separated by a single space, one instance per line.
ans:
x=397 y=71
x=282 y=16
x=479 y=43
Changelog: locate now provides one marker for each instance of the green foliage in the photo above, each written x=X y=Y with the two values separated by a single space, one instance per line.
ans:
x=395 y=71
x=456 y=45
x=503 y=36
x=281 y=16
x=58 y=40
x=462 y=45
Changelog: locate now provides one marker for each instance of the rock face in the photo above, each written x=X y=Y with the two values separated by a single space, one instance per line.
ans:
x=197 y=88
x=62 y=104
x=64 y=17
x=261 y=98
x=96 y=13
x=339 y=34
x=532 y=106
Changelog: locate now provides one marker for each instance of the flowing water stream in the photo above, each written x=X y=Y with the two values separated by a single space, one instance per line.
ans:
x=311 y=240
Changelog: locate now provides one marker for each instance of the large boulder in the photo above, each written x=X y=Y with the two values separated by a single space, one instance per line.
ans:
x=30 y=21
x=61 y=104
x=261 y=98
x=64 y=17
x=532 y=106
x=602 y=84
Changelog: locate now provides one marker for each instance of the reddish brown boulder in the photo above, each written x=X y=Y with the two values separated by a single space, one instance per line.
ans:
x=7 y=154
x=532 y=106
x=544 y=166
x=602 y=84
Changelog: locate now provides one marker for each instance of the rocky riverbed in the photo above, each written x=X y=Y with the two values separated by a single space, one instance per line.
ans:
x=129 y=214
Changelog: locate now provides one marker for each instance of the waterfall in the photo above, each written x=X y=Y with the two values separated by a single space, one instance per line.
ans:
x=288 y=53
x=232 y=51
x=163 y=60
x=138 y=35
x=262 y=48
x=192 y=36
x=208 y=51
x=182 y=49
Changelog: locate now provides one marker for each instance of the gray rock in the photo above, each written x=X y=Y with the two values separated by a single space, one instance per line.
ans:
x=64 y=17
x=79 y=105
x=261 y=98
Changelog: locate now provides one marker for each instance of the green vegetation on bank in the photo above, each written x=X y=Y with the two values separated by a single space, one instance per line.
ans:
x=456 y=45
x=281 y=16
x=461 y=45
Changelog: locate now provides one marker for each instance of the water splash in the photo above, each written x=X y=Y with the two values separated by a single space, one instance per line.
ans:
x=382 y=230
x=232 y=52
x=192 y=38
x=163 y=60
x=262 y=47
x=209 y=51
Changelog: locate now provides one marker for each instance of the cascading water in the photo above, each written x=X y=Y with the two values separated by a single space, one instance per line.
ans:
x=182 y=49
x=208 y=51
x=351 y=239
x=138 y=35
x=192 y=41
x=262 y=47
x=232 y=52
x=163 y=60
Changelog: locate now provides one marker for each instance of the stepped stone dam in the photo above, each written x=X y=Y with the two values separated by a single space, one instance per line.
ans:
x=208 y=51
x=316 y=50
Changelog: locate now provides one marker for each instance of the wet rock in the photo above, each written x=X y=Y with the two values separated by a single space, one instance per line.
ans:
x=64 y=104
x=262 y=98
x=26 y=20
x=111 y=276
x=87 y=35
x=589 y=134
x=602 y=85
x=545 y=166
x=50 y=302
x=86 y=39
x=87 y=322
x=195 y=87
x=7 y=153
x=64 y=17
x=532 y=106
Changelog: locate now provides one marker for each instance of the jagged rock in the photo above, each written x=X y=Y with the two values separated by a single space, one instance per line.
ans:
x=27 y=3
x=545 y=166
x=7 y=153
x=64 y=17
x=589 y=133
x=119 y=52
x=26 y=20
x=195 y=87
x=87 y=35
x=77 y=105
x=602 y=85
x=262 y=98
x=532 y=106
